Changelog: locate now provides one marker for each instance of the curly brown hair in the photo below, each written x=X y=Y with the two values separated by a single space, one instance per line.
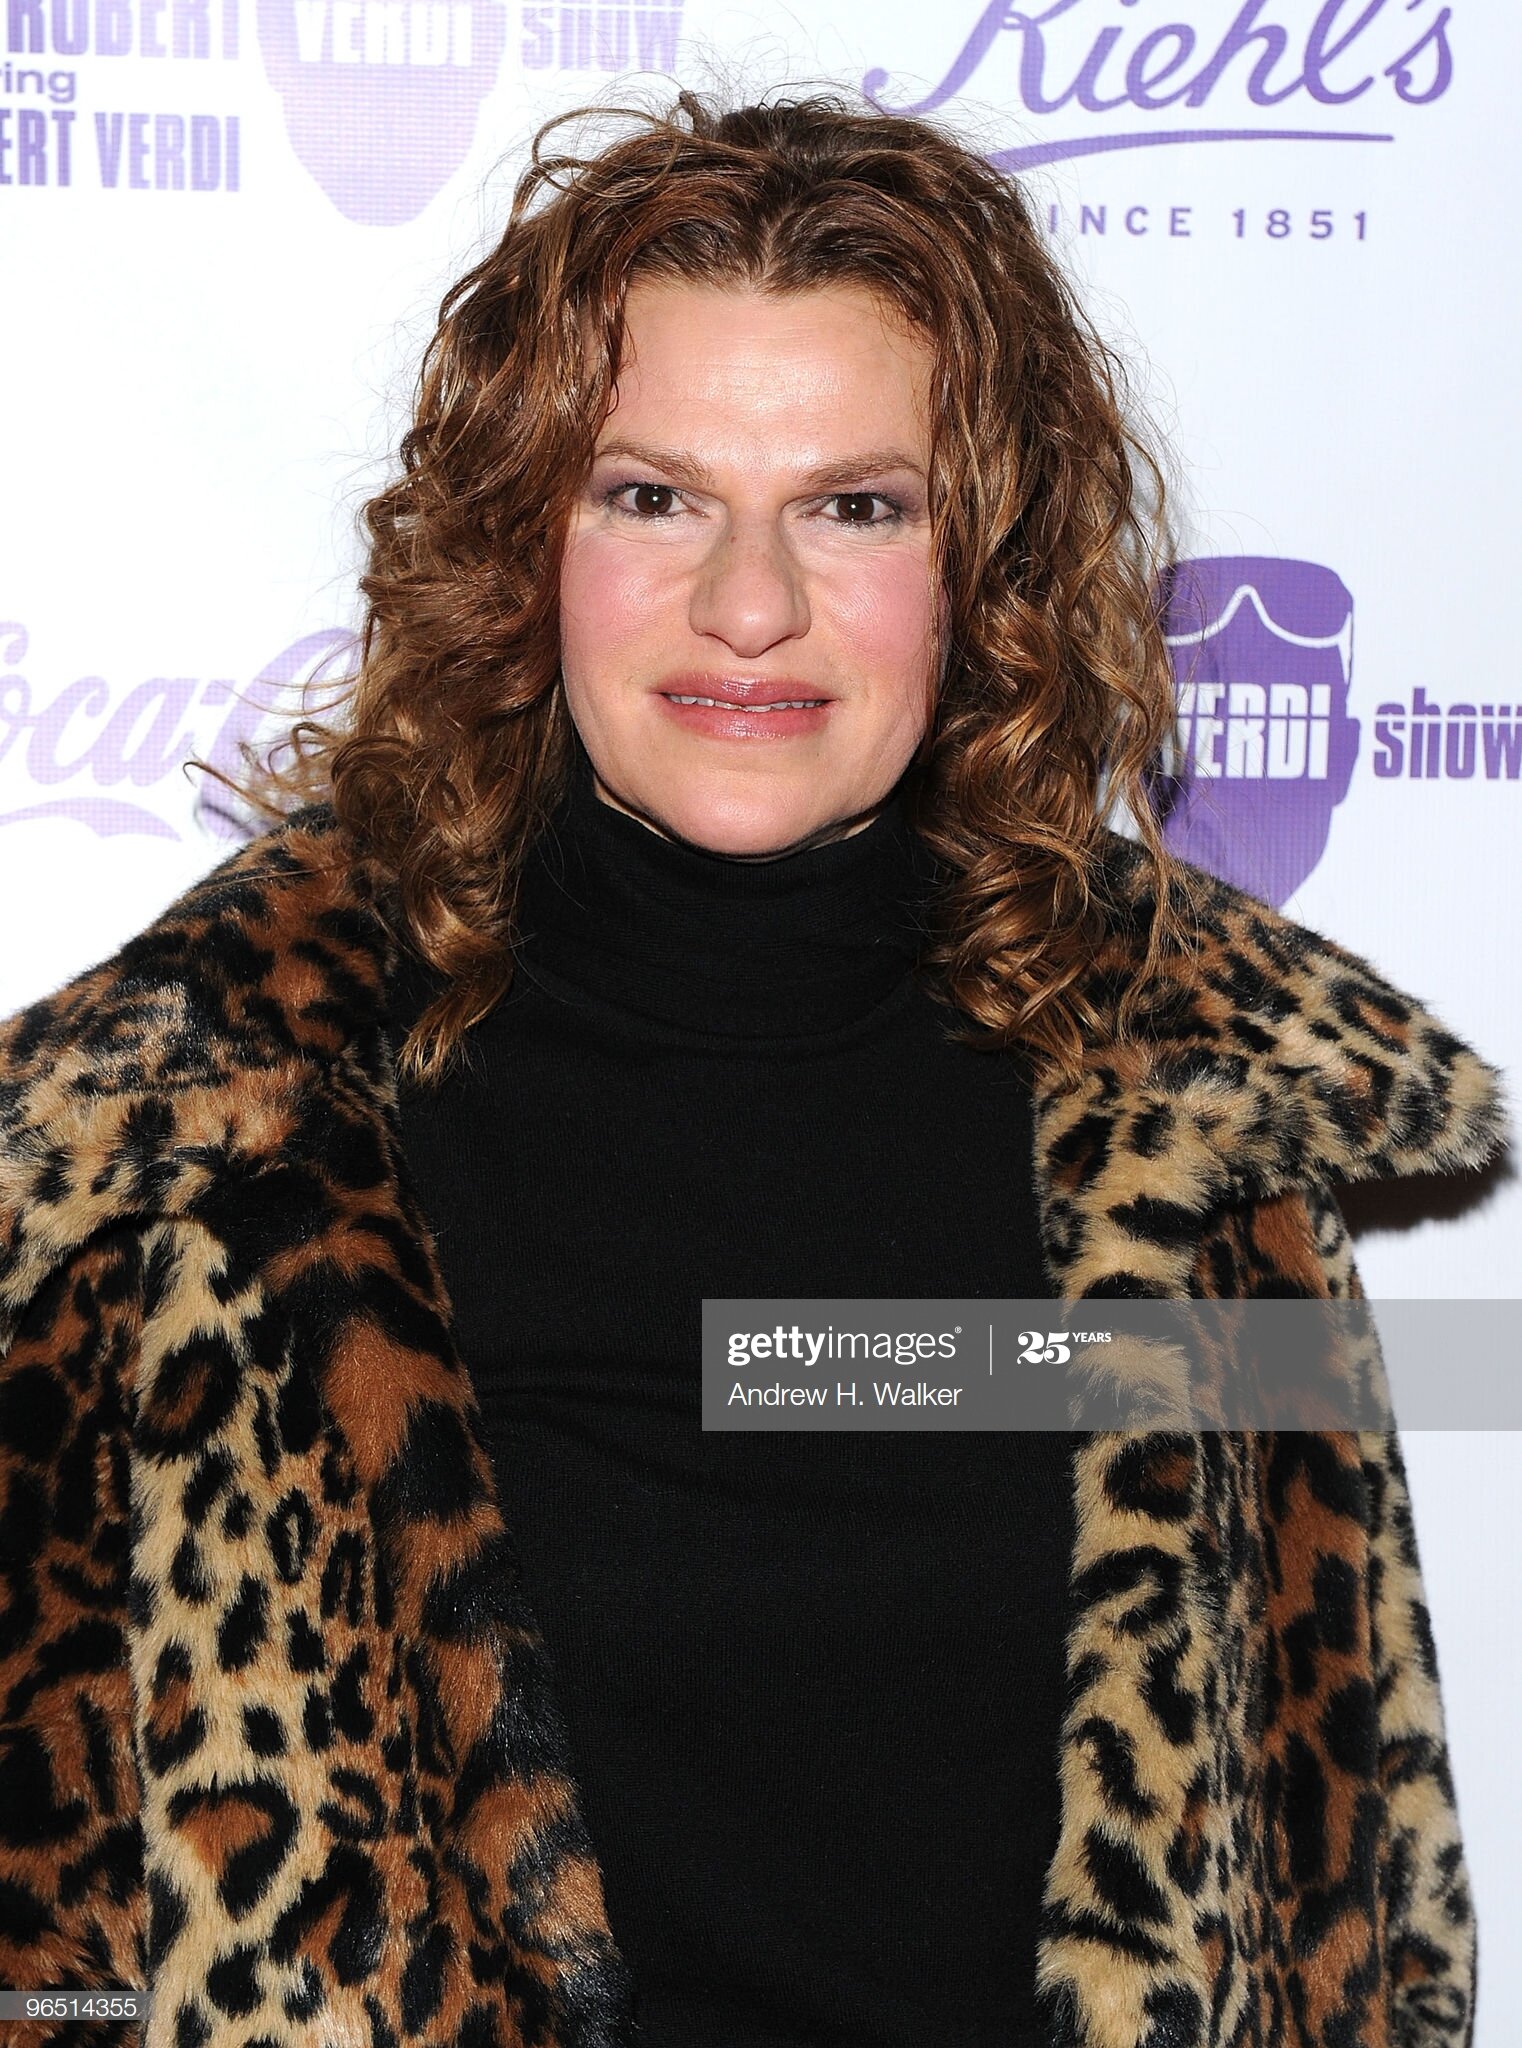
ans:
x=454 y=745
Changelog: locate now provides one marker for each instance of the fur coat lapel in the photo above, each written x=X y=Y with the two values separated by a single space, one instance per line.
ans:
x=262 y=1622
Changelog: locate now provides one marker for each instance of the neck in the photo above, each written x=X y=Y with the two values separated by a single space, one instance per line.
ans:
x=795 y=944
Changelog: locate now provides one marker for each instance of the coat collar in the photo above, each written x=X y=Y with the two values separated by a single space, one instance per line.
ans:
x=1267 y=1058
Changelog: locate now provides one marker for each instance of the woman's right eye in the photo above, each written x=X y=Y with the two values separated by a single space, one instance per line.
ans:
x=647 y=491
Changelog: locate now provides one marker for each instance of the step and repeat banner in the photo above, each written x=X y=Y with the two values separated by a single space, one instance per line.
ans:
x=227 y=226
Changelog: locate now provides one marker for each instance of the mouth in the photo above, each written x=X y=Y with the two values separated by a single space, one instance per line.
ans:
x=728 y=719
x=730 y=704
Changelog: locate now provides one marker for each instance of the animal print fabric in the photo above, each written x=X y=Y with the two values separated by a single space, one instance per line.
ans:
x=278 y=1736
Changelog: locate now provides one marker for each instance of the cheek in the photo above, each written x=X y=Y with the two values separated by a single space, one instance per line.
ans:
x=883 y=618
x=609 y=593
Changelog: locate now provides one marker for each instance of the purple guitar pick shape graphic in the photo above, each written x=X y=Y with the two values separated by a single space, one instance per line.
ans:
x=381 y=96
x=1262 y=660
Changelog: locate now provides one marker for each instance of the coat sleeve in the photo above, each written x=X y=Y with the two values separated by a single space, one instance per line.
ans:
x=71 y=1867
x=1429 y=1936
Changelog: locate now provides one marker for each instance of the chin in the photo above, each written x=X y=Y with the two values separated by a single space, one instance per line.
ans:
x=755 y=838
x=756 y=830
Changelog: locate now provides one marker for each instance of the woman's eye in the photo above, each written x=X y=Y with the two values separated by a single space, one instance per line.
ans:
x=641 y=491
x=862 y=503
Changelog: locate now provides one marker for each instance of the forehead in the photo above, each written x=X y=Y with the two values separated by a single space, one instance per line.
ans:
x=735 y=352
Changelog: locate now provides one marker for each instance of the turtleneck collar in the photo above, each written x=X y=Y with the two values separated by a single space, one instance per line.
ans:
x=613 y=912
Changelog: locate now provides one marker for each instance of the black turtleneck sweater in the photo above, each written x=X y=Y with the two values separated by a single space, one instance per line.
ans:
x=812 y=1681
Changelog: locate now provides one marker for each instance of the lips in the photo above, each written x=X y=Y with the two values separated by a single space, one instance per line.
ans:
x=744 y=693
x=732 y=704
x=763 y=717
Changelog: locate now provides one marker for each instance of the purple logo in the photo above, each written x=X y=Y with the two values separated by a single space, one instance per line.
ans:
x=102 y=757
x=381 y=96
x=1113 y=59
x=615 y=35
x=1431 y=742
x=1262 y=660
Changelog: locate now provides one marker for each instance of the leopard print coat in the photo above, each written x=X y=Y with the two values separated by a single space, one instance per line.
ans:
x=279 y=1739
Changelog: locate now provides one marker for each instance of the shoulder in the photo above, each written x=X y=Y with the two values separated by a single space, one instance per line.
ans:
x=1308 y=1059
x=188 y=1057
x=233 y=961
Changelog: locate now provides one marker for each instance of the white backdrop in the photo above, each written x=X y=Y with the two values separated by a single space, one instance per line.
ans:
x=227 y=225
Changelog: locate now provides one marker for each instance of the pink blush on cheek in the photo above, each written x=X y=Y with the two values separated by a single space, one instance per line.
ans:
x=882 y=627
x=608 y=602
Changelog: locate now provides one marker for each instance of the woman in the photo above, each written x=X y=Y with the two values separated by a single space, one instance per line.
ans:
x=392 y=1656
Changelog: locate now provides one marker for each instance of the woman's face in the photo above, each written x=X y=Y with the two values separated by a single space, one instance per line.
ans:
x=755 y=523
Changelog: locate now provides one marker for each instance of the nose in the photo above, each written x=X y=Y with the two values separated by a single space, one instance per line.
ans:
x=750 y=591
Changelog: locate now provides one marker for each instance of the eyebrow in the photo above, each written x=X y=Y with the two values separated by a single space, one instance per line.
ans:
x=843 y=470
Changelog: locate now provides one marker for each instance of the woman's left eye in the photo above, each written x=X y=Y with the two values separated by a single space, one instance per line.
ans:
x=868 y=498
